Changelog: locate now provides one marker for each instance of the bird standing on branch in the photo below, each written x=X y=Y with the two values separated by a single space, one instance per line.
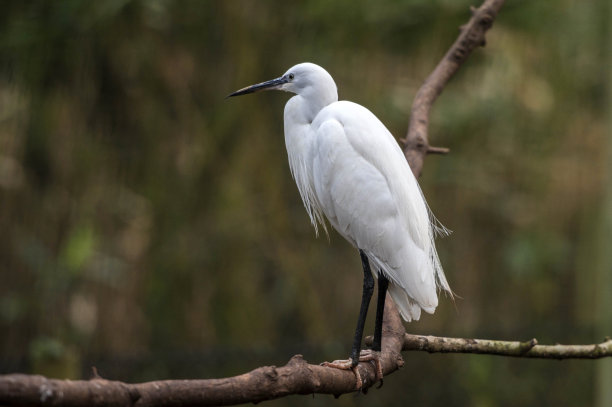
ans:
x=348 y=167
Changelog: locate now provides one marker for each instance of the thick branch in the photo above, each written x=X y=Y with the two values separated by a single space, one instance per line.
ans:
x=264 y=383
x=528 y=349
x=416 y=143
x=270 y=382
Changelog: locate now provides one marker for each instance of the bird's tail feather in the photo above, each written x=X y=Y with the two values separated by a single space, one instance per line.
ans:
x=408 y=309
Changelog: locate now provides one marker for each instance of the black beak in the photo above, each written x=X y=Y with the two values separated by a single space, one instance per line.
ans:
x=268 y=85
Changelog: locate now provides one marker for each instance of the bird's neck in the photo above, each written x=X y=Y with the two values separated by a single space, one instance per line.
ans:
x=299 y=137
x=308 y=104
x=299 y=115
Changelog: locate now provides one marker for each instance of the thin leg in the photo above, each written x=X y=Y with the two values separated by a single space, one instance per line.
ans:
x=368 y=289
x=383 y=283
x=356 y=355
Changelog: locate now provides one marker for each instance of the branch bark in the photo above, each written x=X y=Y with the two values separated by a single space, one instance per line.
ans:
x=264 y=383
x=527 y=349
x=416 y=143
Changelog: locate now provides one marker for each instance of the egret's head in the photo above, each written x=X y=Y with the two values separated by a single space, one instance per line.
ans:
x=304 y=79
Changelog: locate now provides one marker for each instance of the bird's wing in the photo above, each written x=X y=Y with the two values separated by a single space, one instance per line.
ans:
x=371 y=197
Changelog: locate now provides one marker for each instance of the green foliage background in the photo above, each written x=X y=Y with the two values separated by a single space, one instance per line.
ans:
x=151 y=228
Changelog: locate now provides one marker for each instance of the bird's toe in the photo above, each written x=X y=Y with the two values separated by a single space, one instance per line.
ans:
x=347 y=364
x=366 y=355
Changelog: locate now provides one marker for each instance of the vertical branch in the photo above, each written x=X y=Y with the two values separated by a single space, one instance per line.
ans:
x=416 y=143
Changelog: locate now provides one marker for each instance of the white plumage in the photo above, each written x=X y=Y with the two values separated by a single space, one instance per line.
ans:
x=348 y=167
x=350 y=170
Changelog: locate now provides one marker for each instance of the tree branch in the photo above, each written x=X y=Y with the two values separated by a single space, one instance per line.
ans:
x=416 y=143
x=264 y=383
x=528 y=349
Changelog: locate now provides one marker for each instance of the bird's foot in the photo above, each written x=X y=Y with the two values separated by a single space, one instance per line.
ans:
x=346 y=364
x=369 y=355
x=366 y=355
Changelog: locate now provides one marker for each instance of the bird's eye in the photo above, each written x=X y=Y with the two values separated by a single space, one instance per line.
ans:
x=291 y=76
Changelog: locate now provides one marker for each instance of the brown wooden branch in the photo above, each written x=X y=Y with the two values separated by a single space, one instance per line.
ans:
x=528 y=349
x=270 y=382
x=416 y=143
x=264 y=383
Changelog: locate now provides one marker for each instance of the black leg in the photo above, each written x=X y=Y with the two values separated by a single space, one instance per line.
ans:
x=368 y=289
x=383 y=283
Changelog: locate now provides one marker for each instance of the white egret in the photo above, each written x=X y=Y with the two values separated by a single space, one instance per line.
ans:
x=348 y=167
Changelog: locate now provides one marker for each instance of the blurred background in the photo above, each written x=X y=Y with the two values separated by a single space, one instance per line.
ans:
x=151 y=228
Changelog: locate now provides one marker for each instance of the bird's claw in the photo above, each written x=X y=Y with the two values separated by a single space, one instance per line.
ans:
x=369 y=355
x=366 y=355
